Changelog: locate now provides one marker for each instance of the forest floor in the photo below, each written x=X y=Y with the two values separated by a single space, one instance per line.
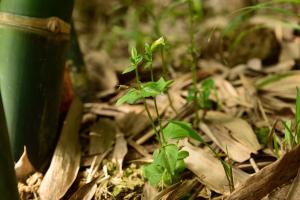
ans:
x=252 y=55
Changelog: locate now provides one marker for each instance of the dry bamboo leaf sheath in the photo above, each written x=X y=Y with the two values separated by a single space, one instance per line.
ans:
x=66 y=159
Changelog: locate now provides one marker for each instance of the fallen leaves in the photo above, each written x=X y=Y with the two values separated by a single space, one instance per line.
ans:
x=233 y=135
x=210 y=170
x=66 y=159
x=23 y=167
x=270 y=177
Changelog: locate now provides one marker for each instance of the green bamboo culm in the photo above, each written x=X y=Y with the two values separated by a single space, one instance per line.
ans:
x=32 y=59
x=77 y=68
x=8 y=183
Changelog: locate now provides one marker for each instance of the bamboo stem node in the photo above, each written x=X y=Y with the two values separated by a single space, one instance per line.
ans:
x=50 y=26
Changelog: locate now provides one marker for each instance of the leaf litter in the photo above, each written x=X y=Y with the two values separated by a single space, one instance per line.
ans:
x=256 y=86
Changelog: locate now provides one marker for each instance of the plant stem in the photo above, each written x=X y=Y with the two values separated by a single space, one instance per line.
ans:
x=162 y=138
x=146 y=106
x=164 y=67
x=194 y=63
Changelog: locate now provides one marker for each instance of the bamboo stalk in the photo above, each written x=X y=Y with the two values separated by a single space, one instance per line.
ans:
x=77 y=68
x=34 y=41
x=8 y=186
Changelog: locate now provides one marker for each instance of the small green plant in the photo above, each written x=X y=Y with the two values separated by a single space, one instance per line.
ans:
x=291 y=133
x=195 y=13
x=201 y=96
x=168 y=160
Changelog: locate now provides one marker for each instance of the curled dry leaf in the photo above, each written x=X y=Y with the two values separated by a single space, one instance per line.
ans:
x=133 y=123
x=100 y=70
x=182 y=190
x=210 y=170
x=279 y=193
x=86 y=192
x=281 y=85
x=149 y=192
x=269 y=178
x=23 y=167
x=294 y=191
x=66 y=159
x=102 y=136
x=120 y=151
x=233 y=135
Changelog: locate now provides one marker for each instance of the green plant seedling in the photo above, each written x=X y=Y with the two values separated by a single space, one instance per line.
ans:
x=168 y=160
x=291 y=133
x=202 y=95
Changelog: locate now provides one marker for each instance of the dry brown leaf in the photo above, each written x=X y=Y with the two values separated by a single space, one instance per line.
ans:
x=284 y=86
x=97 y=160
x=279 y=193
x=133 y=123
x=270 y=177
x=227 y=94
x=102 y=136
x=23 y=167
x=210 y=170
x=149 y=192
x=283 y=66
x=182 y=190
x=294 y=192
x=273 y=104
x=66 y=159
x=120 y=151
x=233 y=135
x=100 y=71
x=86 y=192
x=290 y=50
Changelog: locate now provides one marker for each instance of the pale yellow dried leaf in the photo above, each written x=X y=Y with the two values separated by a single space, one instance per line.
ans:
x=210 y=170
x=66 y=159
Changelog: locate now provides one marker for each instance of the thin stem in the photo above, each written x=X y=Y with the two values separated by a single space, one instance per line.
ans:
x=194 y=64
x=146 y=106
x=164 y=67
x=156 y=110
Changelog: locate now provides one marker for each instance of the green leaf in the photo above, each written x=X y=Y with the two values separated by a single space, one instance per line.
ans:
x=158 y=157
x=192 y=92
x=288 y=135
x=135 y=58
x=163 y=85
x=182 y=155
x=152 y=89
x=262 y=135
x=170 y=156
x=174 y=131
x=167 y=178
x=129 y=69
x=134 y=53
x=197 y=7
x=180 y=166
x=159 y=42
x=153 y=173
x=130 y=97
x=178 y=130
x=206 y=87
